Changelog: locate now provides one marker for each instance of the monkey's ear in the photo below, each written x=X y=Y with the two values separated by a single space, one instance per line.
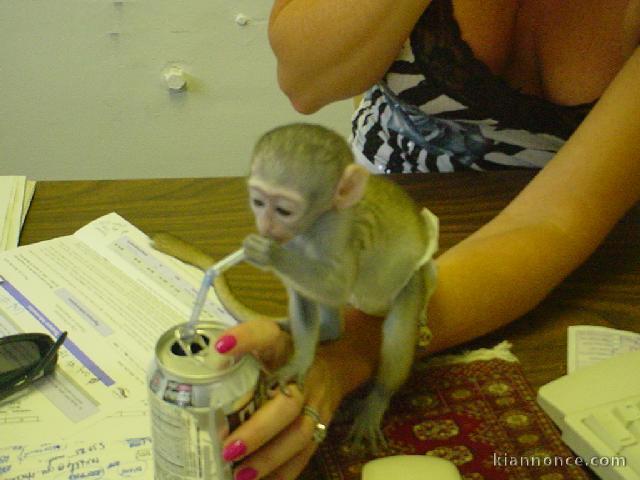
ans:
x=351 y=186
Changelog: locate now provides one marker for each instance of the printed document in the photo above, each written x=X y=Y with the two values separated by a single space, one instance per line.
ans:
x=114 y=295
x=589 y=344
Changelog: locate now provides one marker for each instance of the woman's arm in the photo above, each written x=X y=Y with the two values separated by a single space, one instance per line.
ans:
x=334 y=49
x=509 y=265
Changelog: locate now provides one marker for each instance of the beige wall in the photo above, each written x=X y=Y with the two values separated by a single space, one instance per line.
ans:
x=84 y=91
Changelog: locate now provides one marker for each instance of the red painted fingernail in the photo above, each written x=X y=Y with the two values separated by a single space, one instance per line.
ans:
x=234 y=450
x=247 y=473
x=226 y=343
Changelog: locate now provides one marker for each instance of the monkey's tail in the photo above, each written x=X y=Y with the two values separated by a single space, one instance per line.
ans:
x=188 y=253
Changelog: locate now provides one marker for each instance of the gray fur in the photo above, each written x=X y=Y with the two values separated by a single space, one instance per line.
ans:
x=369 y=255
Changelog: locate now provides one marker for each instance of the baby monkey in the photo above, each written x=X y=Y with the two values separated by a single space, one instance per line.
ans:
x=336 y=235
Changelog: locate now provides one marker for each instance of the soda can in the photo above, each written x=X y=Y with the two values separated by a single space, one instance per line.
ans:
x=196 y=398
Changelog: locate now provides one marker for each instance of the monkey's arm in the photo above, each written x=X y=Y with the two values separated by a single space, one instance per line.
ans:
x=327 y=279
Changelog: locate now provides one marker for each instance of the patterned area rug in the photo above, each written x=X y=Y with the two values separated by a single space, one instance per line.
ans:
x=477 y=411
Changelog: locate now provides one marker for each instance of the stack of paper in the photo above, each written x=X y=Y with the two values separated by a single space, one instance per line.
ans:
x=114 y=295
x=16 y=193
x=590 y=344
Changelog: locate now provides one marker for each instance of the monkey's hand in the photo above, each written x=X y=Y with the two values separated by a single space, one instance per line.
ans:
x=261 y=251
x=292 y=372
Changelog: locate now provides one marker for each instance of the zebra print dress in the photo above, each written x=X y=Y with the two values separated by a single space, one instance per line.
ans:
x=440 y=109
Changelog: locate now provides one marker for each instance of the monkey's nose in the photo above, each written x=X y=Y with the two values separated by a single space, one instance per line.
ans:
x=264 y=229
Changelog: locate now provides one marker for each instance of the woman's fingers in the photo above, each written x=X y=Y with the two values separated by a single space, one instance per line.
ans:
x=249 y=336
x=294 y=467
x=278 y=438
x=264 y=338
x=267 y=422
x=286 y=455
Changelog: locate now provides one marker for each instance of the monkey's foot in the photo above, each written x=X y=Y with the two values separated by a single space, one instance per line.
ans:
x=363 y=438
x=366 y=430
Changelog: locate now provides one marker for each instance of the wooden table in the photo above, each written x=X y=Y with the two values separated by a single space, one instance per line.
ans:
x=214 y=215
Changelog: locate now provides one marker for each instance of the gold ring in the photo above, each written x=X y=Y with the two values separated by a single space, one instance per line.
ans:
x=319 y=429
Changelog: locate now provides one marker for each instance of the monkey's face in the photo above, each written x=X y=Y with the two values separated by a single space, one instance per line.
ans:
x=279 y=211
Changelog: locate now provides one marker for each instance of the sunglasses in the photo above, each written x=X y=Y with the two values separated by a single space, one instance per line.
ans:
x=25 y=358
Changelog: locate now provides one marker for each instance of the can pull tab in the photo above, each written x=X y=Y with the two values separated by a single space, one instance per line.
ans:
x=189 y=346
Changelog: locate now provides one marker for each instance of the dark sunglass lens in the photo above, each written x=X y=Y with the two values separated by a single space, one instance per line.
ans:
x=19 y=354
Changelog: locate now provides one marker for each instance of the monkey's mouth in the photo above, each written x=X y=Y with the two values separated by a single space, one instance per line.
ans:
x=281 y=239
x=277 y=235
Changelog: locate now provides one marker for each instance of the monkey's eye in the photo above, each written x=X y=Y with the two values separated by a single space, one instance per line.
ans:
x=283 y=211
x=257 y=202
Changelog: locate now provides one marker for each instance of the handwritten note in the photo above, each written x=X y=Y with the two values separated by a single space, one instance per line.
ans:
x=114 y=459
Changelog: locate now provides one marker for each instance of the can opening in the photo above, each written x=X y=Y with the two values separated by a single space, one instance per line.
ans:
x=198 y=343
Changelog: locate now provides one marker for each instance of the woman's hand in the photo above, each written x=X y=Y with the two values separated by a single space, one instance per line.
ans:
x=278 y=439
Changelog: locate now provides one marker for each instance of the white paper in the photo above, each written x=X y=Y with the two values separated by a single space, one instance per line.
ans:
x=29 y=191
x=78 y=459
x=6 y=197
x=9 y=217
x=15 y=196
x=115 y=296
x=588 y=344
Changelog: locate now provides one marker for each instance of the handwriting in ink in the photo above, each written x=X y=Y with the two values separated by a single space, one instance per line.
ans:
x=90 y=474
x=23 y=476
x=131 y=471
x=138 y=442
